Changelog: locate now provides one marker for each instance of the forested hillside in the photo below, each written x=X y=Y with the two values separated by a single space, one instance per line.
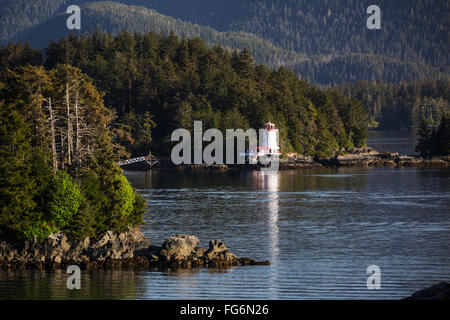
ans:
x=412 y=30
x=114 y=17
x=325 y=42
x=156 y=84
x=402 y=106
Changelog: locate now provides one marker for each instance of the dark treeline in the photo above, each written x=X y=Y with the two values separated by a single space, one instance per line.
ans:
x=160 y=83
x=434 y=140
x=402 y=106
x=326 y=41
x=413 y=30
x=350 y=68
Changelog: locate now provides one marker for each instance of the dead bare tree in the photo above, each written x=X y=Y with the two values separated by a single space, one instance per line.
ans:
x=51 y=120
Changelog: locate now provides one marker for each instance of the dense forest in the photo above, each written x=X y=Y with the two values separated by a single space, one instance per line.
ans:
x=324 y=42
x=413 y=30
x=114 y=17
x=57 y=163
x=394 y=106
x=156 y=84
x=68 y=113
x=434 y=140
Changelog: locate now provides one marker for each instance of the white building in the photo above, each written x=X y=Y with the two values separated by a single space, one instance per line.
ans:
x=268 y=143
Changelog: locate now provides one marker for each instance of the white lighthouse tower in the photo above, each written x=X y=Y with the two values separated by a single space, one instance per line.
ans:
x=270 y=140
x=268 y=146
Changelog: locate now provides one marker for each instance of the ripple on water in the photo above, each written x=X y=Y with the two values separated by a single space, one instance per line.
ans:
x=320 y=229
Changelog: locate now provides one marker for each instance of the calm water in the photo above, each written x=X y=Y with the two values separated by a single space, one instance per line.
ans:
x=402 y=142
x=320 y=229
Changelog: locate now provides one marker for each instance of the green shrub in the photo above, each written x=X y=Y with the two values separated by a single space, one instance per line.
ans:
x=64 y=199
x=39 y=229
x=83 y=223
x=125 y=195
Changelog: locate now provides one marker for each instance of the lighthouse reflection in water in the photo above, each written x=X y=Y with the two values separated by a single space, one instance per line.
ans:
x=269 y=182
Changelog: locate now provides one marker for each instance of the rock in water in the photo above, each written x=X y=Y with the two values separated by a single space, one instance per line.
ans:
x=178 y=247
x=440 y=291
x=129 y=249
x=218 y=251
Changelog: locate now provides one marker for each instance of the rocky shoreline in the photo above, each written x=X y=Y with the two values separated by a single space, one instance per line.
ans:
x=357 y=157
x=112 y=250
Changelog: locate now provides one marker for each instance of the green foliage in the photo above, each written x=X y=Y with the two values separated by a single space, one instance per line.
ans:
x=125 y=195
x=434 y=141
x=284 y=32
x=356 y=121
x=36 y=199
x=17 y=186
x=83 y=223
x=179 y=81
x=327 y=27
x=108 y=192
x=133 y=133
x=127 y=206
x=64 y=199
x=23 y=178
x=402 y=106
x=38 y=229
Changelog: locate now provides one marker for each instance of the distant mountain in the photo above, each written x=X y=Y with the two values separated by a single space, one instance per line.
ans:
x=113 y=17
x=325 y=42
x=411 y=30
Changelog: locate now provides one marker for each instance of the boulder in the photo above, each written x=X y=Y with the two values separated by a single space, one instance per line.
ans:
x=215 y=248
x=198 y=252
x=440 y=291
x=178 y=247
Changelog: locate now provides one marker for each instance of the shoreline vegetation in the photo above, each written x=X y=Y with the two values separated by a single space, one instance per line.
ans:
x=356 y=157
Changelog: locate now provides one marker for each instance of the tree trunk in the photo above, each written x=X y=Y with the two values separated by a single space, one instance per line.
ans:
x=62 y=150
x=52 y=131
x=77 y=134
x=69 y=127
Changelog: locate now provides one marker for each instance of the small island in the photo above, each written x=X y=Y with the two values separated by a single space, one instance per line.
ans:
x=113 y=250
x=63 y=197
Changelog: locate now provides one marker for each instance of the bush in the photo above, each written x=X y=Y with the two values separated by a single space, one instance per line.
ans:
x=125 y=195
x=40 y=230
x=126 y=206
x=64 y=199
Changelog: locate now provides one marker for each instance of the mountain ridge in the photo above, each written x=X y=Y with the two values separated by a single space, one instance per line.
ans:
x=322 y=69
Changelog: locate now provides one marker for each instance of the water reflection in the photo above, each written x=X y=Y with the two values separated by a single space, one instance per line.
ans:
x=141 y=179
x=98 y=284
x=402 y=142
x=319 y=228
x=269 y=182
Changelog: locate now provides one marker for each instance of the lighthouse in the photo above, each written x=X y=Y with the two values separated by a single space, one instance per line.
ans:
x=268 y=144
x=270 y=140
